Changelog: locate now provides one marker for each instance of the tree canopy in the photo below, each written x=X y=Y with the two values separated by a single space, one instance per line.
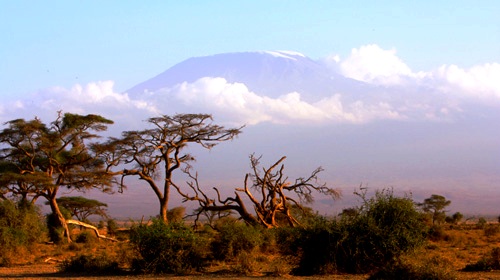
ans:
x=435 y=205
x=81 y=207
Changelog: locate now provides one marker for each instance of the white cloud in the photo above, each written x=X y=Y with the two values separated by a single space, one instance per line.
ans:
x=230 y=103
x=375 y=65
x=481 y=81
x=234 y=102
x=98 y=98
x=371 y=63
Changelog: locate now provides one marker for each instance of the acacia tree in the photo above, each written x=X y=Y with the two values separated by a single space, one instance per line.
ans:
x=435 y=205
x=39 y=159
x=161 y=149
x=81 y=207
x=276 y=196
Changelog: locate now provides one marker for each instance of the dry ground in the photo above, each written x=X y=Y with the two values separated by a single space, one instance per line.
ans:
x=458 y=249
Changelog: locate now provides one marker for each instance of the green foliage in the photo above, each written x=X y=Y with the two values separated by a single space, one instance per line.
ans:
x=86 y=237
x=435 y=206
x=384 y=228
x=489 y=262
x=167 y=248
x=481 y=223
x=90 y=265
x=233 y=238
x=112 y=227
x=437 y=233
x=491 y=230
x=20 y=227
x=101 y=224
x=81 y=207
x=456 y=218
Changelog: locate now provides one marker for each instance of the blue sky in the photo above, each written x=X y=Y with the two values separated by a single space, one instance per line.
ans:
x=60 y=43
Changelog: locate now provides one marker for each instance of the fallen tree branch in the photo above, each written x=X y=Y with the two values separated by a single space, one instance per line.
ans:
x=75 y=222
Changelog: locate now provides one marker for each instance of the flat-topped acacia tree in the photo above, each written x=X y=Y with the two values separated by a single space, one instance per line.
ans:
x=161 y=148
x=37 y=159
x=81 y=208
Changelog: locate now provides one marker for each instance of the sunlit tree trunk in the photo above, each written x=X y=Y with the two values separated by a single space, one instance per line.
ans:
x=61 y=221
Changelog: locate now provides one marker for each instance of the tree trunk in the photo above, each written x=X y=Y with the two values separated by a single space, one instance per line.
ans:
x=163 y=211
x=164 y=201
x=61 y=221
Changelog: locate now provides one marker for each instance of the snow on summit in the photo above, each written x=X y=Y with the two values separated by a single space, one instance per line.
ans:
x=284 y=54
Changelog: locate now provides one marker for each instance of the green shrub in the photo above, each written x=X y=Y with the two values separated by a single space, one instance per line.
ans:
x=384 y=228
x=481 y=223
x=100 y=225
x=86 y=237
x=20 y=227
x=111 y=227
x=436 y=233
x=491 y=230
x=246 y=264
x=172 y=248
x=486 y=263
x=85 y=264
x=234 y=238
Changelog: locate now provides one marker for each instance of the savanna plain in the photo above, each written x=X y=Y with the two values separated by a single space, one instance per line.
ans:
x=229 y=249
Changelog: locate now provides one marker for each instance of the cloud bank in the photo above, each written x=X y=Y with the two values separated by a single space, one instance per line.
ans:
x=433 y=95
x=375 y=65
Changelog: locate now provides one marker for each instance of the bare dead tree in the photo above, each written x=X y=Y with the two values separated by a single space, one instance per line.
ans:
x=274 y=195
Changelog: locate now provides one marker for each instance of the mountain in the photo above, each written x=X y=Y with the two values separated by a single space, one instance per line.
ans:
x=271 y=73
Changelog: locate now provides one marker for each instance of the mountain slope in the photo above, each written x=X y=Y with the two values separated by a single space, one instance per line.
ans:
x=269 y=73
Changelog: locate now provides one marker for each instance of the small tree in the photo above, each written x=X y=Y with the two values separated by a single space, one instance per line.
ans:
x=435 y=205
x=162 y=149
x=81 y=207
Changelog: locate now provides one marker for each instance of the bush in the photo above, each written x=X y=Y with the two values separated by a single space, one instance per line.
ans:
x=234 y=238
x=491 y=230
x=486 y=263
x=20 y=227
x=111 y=227
x=176 y=214
x=85 y=264
x=384 y=228
x=86 y=237
x=437 y=233
x=481 y=223
x=172 y=248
